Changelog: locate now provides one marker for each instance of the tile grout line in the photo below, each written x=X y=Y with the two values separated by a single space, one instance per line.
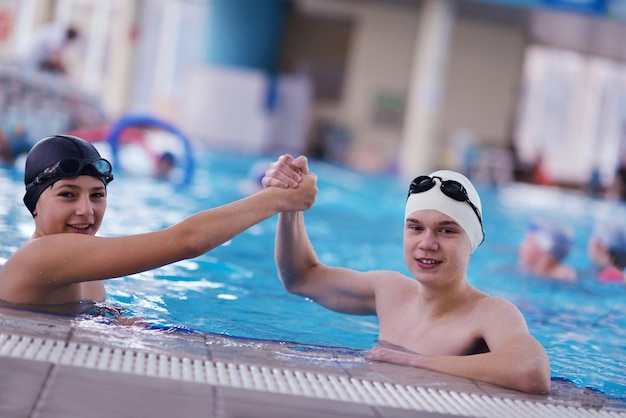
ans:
x=45 y=390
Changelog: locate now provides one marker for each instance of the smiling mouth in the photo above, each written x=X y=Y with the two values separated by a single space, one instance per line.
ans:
x=429 y=261
x=81 y=228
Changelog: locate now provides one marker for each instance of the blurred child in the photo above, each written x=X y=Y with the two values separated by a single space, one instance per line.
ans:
x=607 y=249
x=14 y=141
x=544 y=248
x=164 y=166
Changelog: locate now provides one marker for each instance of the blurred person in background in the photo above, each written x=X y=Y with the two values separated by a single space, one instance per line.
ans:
x=545 y=246
x=164 y=166
x=14 y=141
x=617 y=190
x=46 y=50
x=606 y=247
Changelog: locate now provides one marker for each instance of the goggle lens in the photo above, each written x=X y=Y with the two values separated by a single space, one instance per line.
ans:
x=75 y=166
x=103 y=167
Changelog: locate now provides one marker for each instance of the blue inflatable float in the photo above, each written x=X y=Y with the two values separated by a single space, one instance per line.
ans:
x=147 y=121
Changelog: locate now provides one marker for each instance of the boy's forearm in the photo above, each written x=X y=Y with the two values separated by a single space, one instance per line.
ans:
x=294 y=253
x=520 y=372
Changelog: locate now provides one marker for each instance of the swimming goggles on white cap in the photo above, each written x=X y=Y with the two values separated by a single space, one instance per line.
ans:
x=451 y=188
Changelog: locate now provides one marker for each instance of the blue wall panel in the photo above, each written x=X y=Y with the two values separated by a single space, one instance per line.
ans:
x=246 y=33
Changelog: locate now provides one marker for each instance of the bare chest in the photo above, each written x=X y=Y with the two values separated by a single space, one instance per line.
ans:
x=453 y=334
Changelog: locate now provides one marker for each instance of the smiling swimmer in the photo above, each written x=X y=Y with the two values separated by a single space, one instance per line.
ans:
x=58 y=157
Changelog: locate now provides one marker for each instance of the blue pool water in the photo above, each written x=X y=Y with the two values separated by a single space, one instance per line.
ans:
x=356 y=222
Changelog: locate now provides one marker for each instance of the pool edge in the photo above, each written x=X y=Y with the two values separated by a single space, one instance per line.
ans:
x=265 y=369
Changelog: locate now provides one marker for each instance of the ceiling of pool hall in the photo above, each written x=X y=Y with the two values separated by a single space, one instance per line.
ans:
x=563 y=29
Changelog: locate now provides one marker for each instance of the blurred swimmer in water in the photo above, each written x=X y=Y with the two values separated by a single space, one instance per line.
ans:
x=14 y=141
x=545 y=246
x=164 y=166
x=606 y=247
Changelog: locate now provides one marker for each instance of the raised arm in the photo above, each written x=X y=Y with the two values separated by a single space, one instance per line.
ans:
x=515 y=359
x=299 y=269
x=57 y=260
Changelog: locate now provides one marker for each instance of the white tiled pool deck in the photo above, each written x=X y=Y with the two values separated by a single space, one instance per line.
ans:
x=60 y=367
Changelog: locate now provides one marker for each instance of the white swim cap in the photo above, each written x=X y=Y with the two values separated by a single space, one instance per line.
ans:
x=461 y=211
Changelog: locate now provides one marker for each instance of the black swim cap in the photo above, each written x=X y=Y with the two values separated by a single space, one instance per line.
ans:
x=48 y=152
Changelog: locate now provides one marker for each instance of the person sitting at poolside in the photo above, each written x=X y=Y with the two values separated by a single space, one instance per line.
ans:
x=436 y=320
x=545 y=247
x=61 y=268
x=606 y=247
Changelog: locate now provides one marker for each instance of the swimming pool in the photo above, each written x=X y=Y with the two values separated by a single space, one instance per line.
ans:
x=356 y=222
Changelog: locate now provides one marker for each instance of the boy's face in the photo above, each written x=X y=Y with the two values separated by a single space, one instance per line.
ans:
x=436 y=248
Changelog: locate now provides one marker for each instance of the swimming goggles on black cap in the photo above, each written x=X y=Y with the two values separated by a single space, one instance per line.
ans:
x=451 y=188
x=73 y=167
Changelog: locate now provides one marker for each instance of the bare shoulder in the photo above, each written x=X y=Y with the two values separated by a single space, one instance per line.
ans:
x=33 y=251
x=18 y=274
x=392 y=283
x=28 y=259
x=21 y=258
x=495 y=302
x=498 y=310
x=56 y=255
